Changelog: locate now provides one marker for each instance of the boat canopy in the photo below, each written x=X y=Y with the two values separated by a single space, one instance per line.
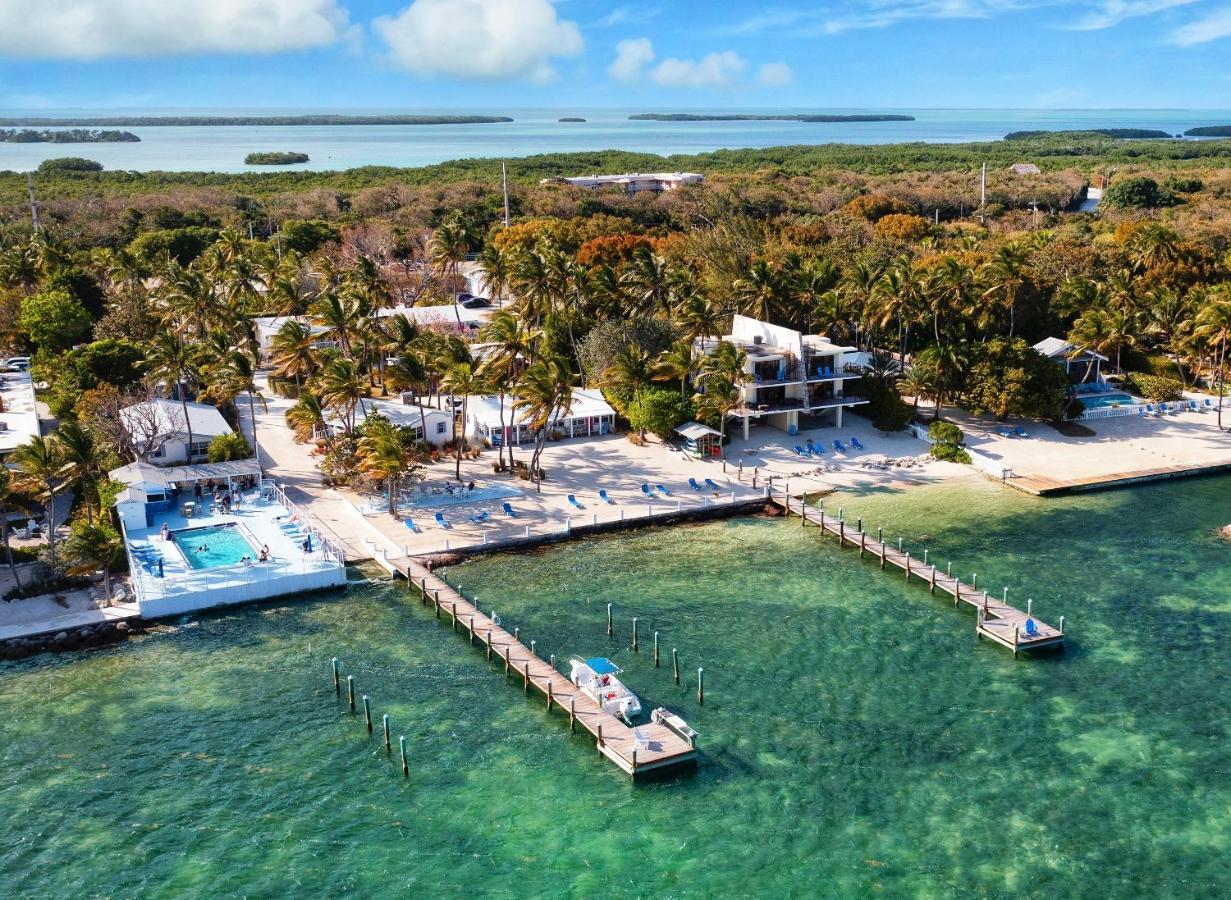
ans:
x=602 y=666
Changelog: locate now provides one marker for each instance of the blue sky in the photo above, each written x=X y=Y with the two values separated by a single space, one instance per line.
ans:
x=500 y=54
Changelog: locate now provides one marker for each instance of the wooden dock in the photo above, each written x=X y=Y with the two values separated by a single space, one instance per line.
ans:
x=665 y=747
x=994 y=619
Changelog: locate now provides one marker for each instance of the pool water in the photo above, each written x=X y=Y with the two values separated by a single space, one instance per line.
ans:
x=1101 y=401
x=225 y=545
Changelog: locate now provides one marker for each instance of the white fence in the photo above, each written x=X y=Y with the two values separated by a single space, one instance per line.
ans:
x=328 y=548
x=980 y=461
x=1111 y=412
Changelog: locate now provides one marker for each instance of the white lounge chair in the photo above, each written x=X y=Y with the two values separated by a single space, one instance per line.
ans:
x=640 y=741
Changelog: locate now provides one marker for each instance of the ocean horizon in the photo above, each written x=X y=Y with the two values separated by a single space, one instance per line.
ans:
x=538 y=130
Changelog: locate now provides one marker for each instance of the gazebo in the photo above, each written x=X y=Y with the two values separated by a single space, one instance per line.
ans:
x=700 y=440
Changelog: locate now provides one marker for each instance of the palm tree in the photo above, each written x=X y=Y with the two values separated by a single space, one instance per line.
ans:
x=10 y=500
x=92 y=547
x=306 y=417
x=496 y=271
x=544 y=390
x=648 y=281
x=449 y=245
x=174 y=361
x=341 y=317
x=1093 y=331
x=341 y=387
x=235 y=375
x=763 y=292
x=923 y=381
x=85 y=463
x=675 y=363
x=292 y=353
x=628 y=372
x=43 y=473
x=1214 y=327
x=463 y=380
x=1004 y=276
x=510 y=349
x=719 y=399
x=383 y=453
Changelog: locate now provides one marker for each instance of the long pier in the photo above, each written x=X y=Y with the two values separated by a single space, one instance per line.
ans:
x=665 y=746
x=994 y=619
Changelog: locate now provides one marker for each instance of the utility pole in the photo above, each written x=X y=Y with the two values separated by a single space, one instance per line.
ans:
x=983 y=187
x=504 y=174
x=33 y=202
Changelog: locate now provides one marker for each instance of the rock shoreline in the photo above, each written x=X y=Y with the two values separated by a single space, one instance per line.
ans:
x=82 y=637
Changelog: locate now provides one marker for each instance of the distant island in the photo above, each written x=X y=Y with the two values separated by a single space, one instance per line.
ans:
x=719 y=117
x=571 y=119
x=275 y=159
x=71 y=136
x=1118 y=133
x=1210 y=131
x=154 y=121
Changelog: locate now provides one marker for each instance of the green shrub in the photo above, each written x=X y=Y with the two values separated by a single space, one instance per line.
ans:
x=1152 y=387
x=658 y=411
x=950 y=452
x=69 y=164
x=226 y=447
x=945 y=433
x=1008 y=377
x=1183 y=184
x=885 y=407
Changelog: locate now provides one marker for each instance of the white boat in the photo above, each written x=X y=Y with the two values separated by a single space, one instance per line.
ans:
x=597 y=680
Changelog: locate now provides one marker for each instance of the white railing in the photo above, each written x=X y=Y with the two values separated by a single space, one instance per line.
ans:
x=328 y=549
x=1111 y=412
x=133 y=577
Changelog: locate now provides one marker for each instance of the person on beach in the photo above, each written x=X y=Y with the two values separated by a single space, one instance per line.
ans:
x=264 y=557
x=164 y=532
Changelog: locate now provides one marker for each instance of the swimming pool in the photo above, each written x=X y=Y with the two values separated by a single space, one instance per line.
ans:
x=1101 y=401
x=224 y=545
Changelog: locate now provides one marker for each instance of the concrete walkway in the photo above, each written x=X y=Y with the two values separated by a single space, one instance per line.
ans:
x=42 y=615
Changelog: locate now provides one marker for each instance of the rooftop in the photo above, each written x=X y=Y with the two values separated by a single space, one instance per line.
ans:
x=1058 y=348
x=585 y=403
x=205 y=420
x=19 y=418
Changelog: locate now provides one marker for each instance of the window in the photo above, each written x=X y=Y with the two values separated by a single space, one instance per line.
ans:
x=440 y=427
x=158 y=453
x=199 y=448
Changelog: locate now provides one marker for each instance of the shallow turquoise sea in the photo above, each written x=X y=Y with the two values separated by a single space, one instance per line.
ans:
x=857 y=738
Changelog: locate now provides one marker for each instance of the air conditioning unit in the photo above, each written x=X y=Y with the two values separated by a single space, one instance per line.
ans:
x=4 y=426
x=758 y=340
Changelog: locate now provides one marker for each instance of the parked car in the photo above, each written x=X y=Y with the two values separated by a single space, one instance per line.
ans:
x=17 y=364
x=475 y=303
x=463 y=297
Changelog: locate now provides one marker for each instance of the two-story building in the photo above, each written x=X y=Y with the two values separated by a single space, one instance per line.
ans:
x=791 y=381
x=160 y=433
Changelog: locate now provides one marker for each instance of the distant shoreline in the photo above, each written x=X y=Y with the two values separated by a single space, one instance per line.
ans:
x=738 y=117
x=198 y=121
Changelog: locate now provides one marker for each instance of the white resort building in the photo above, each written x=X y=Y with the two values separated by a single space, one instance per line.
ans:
x=633 y=182
x=589 y=416
x=1081 y=366
x=449 y=315
x=793 y=381
x=159 y=431
x=18 y=414
x=268 y=326
x=201 y=537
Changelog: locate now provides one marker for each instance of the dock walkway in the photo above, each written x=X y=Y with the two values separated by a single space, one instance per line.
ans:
x=664 y=747
x=995 y=619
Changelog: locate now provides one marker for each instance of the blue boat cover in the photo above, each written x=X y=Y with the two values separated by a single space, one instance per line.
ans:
x=602 y=666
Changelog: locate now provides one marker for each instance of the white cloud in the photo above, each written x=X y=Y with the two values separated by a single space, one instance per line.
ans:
x=632 y=56
x=714 y=70
x=775 y=75
x=97 y=29
x=1212 y=27
x=1112 y=12
x=479 y=39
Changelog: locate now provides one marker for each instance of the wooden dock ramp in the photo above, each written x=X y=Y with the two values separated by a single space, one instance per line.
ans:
x=663 y=748
x=994 y=619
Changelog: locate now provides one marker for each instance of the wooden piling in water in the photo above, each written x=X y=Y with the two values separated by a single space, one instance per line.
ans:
x=610 y=627
x=572 y=715
x=436 y=600
x=402 y=747
x=384 y=721
x=634 y=634
x=350 y=691
x=337 y=684
x=526 y=684
x=656 y=649
x=700 y=685
x=367 y=713
x=549 y=695
x=675 y=665
x=489 y=644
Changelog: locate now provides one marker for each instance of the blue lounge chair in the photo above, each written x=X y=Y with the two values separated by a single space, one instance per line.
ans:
x=411 y=525
x=692 y=483
x=645 y=489
x=480 y=518
x=710 y=483
x=1032 y=630
x=662 y=490
x=1192 y=405
x=602 y=495
x=572 y=501
x=508 y=510
x=839 y=446
x=1017 y=430
x=440 y=520
x=1141 y=411
x=799 y=451
x=1208 y=404
x=855 y=443
x=1004 y=432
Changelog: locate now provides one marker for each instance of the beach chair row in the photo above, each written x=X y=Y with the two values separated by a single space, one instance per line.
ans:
x=810 y=450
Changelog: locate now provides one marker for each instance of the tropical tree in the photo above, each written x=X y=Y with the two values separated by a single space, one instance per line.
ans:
x=341 y=387
x=93 y=546
x=176 y=362
x=385 y=454
x=43 y=472
x=544 y=390
x=292 y=353
x=10 y=500
x=1213 y=326
x=306 y=417
x=85 y=463
x=675 y=364
x=463 y=379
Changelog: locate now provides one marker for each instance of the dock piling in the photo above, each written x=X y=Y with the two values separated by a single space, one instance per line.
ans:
x=552 y=663
x=526 y=683
x=350 y=691
x=907 y=566
x=337 y=685
x=1062 y=624
x=549 y=694
x=610 y=630
x=675 y=665
x=489 y=644
x=700 y=685
x=1029 y=606
x=656 y=649
x=516 y=632
x=384 y=721
x=634 y=634
x=367 y=713
x=572 y=715
x=402 y=747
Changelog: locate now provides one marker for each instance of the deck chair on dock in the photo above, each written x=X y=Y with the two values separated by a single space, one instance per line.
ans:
x=480 y=518
x=839 y=446
x=602 y=495
x=692 y=483
x=800 y=451
x=640 y=741
x=712 y=484
x=1032 y=630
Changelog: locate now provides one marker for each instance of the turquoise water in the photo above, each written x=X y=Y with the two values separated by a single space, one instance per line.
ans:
x=222 y=149
x=1099 y=401
x=857 y=738
x=224 y=545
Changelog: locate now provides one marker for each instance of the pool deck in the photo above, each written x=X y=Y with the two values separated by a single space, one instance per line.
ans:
x=184 y=589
